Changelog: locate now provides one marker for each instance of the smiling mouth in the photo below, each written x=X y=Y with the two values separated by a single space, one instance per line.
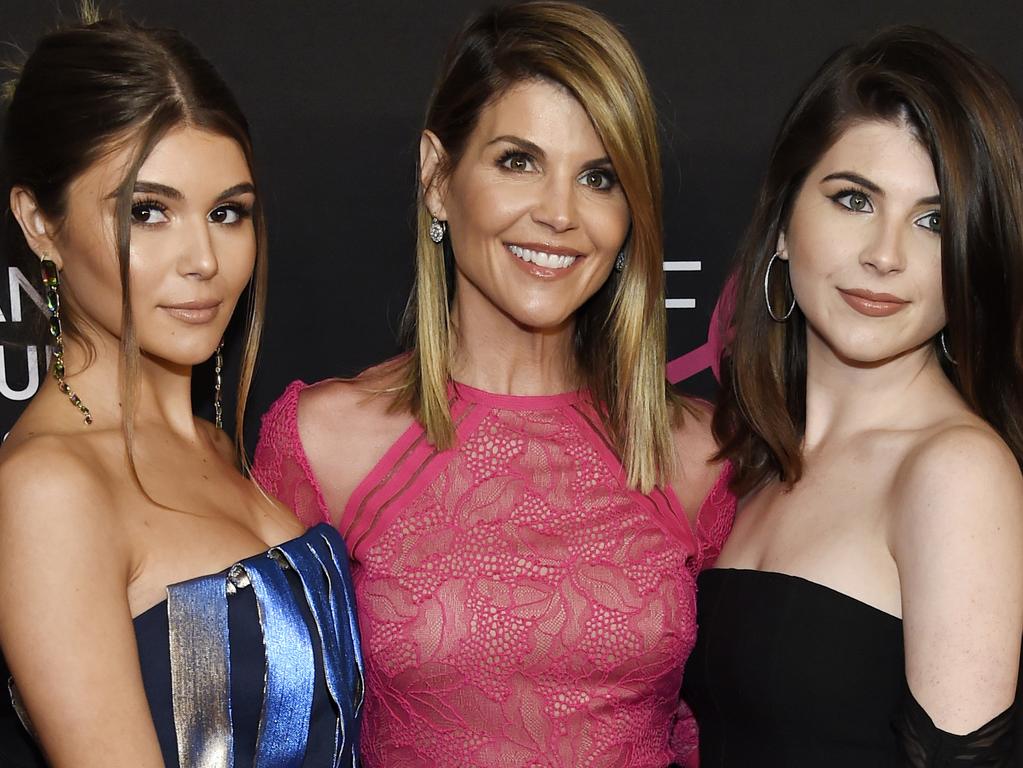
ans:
x=542 y=258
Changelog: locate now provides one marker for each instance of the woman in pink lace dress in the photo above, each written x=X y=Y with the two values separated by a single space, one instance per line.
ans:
x=525 y=502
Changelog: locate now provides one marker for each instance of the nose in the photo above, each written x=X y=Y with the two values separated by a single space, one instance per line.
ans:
x=198 y=255
x=885 y=252
x=555 y=206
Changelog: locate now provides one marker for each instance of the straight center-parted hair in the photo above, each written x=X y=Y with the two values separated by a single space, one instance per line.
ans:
x=98 y=86
x=967 y=118
x=620 y=331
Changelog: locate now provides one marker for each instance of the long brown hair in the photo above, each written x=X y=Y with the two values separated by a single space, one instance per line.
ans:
x=101 y=84
x=620 y=331
x=966 y=116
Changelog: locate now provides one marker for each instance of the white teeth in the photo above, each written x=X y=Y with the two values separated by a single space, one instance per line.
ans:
x=542 y=259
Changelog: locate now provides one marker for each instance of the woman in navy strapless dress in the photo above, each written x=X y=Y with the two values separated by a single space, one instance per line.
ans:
x=149 y=614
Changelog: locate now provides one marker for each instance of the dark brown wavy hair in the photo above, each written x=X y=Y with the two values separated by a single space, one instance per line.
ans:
x=968 y=119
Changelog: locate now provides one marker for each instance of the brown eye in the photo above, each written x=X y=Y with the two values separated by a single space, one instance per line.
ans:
x=598 y=179
x=148 y=212
x=518 y=162
x=226 y=214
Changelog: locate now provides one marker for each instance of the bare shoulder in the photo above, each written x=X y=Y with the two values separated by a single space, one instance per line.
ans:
x=52 y=479
x=64 y=567
x=345 y=427
x=961 y=475
x=697 y=470
x=957 y=539
x=57 y=506
x=358 y=408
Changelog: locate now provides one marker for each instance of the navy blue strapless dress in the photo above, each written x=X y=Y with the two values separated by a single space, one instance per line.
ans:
x=260 y=664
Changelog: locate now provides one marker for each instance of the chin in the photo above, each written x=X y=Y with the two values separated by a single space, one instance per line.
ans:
x=180 y=356
x=542 y=321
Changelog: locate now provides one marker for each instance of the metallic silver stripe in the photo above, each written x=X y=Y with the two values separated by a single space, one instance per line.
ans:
x=201 y=672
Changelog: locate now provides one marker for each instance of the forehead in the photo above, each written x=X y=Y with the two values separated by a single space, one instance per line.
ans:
x=543 y=112
x=194 y=161
x=887 y=153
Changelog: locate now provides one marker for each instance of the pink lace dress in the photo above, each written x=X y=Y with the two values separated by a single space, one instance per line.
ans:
x=519 y=605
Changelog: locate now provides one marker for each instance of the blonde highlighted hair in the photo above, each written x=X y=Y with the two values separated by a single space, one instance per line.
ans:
x=620 y=331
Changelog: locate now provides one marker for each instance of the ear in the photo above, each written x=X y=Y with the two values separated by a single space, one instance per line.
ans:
x=431 y=159
x=779 y=247
x=34 y=225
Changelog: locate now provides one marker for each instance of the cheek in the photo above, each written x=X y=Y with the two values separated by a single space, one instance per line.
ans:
x=484 y=209
x=607 y=223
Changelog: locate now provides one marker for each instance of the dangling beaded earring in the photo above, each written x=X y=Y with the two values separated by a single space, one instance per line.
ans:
x=51 y=281
x=218 y=366
x=620 y=261
x=436 y=229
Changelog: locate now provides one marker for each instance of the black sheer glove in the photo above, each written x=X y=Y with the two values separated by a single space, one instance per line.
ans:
x=924 y=745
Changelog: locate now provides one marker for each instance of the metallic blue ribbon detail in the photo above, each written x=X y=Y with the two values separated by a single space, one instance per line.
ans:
x=290 y=668
x=318 y=587
x=333 y=542
x=200 y=660
x=356 y=673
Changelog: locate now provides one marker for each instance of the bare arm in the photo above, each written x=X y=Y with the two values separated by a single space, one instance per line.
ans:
x=65 y=625
x=958 y=542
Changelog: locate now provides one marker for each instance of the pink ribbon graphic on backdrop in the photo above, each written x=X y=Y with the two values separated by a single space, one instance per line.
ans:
x=708 y=354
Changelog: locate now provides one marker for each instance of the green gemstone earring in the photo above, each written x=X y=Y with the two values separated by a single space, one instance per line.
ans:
x=51 y=281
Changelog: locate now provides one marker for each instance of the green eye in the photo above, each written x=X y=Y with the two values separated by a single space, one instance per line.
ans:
x=930 y=221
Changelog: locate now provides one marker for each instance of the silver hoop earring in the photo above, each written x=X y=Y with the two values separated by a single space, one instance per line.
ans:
x=944 y=348
x=767 y=293
x=620 y=261
x=218 y=366
x=437 y=228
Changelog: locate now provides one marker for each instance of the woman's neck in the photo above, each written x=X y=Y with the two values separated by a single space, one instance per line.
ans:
x=844 y=398
x=491 y=351
x=163 y=395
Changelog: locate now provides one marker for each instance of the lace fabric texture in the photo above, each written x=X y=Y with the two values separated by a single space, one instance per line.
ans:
x=924 y=745
x=519 y=605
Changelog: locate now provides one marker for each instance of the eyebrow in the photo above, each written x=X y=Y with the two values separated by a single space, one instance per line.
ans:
x=855 y=178
x=535 y=149
x=153 y=188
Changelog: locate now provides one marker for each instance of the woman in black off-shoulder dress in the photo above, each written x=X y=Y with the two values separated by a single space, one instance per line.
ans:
x=867 y=609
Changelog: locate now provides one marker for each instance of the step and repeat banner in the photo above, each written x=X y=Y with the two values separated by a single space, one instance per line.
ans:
x=335 y=92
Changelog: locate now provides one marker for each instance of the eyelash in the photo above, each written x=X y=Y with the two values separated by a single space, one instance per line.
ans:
x=140 y=205
x=848 y=191
x=856 y=191
x=242 y=210
x=512 y=154
x=516 y=154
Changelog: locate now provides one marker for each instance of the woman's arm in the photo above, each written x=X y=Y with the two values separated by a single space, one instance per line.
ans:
x=65 y=625
x=957 y=538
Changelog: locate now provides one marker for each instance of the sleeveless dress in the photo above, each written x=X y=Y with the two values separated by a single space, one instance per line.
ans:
x=520 y=606
x=260 y=664
x=787 y=672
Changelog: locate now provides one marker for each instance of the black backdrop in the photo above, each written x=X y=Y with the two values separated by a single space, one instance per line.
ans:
x=335 y=92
